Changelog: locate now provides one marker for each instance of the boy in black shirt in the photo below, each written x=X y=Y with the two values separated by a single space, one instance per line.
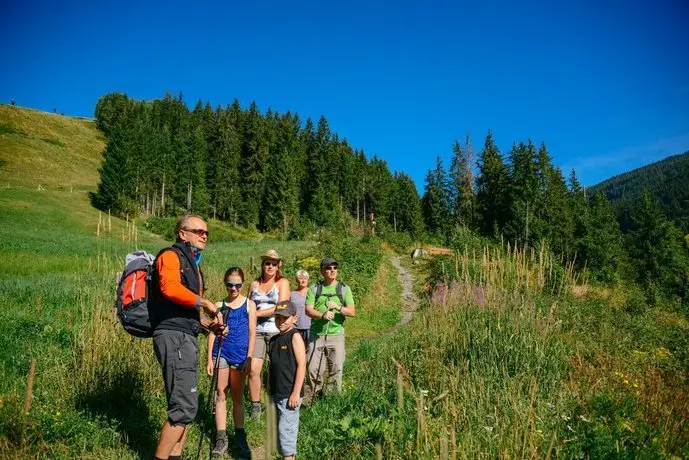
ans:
x=287 y=371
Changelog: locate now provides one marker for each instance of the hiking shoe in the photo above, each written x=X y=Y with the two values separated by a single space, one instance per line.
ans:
x=256 y=409
x=220 y=447
x=243 y=451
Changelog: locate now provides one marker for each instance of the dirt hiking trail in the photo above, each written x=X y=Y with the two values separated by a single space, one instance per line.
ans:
x=409 y=299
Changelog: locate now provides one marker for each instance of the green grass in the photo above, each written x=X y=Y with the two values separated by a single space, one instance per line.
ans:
x=507 y=357
x=519 y=367
x=47 y=149
x=97 y=392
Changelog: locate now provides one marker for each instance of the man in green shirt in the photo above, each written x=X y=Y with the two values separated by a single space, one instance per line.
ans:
x=328 y=303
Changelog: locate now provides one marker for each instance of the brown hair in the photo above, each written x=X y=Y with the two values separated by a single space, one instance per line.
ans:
x=234 y=271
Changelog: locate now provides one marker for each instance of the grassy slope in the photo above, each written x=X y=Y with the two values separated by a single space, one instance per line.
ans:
x=56 y=292
x=58 y=273
x=47 y=149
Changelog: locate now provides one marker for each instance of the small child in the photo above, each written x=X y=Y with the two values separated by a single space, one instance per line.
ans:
x=287 y=371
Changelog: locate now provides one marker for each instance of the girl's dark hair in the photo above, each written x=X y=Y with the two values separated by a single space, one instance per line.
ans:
x=234 y=271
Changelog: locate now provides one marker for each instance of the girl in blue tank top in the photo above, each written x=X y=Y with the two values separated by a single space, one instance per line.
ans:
x=233 y=352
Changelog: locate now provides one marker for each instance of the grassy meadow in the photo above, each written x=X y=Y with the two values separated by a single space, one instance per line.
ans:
x=509 y=355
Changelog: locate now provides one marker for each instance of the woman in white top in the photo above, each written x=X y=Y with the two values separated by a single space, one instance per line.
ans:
x=267 y=291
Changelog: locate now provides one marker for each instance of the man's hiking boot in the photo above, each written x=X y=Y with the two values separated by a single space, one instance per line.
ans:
x=243 y=451
x=256 y=410
x=220 y=447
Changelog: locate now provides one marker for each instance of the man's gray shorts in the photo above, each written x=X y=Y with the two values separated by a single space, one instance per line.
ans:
x=288 y=426
x=178 y=355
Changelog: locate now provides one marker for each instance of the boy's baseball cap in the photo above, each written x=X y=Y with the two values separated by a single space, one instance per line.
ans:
x=286 y=309
x=328 y=261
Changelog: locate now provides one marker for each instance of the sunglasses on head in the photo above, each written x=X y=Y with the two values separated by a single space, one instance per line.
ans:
x=331 y=267
x=270 y=263
x=233 y=285
x=197 y=231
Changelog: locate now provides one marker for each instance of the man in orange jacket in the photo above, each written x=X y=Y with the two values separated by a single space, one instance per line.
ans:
x=177 y=294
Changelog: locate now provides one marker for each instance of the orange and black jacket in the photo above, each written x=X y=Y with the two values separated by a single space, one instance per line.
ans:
x=176 y=288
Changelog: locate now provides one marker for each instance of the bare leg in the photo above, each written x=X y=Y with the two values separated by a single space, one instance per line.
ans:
x=255 y=379
x=171 y=440
x=237 y=380
x=221 y=402
x=179 y=447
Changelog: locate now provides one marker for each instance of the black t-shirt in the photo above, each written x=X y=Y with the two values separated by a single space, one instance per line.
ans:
x=283 y=365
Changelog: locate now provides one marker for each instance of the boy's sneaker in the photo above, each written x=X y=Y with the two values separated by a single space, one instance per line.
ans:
x=256 y=409
x=243 y=451
x=220 y=447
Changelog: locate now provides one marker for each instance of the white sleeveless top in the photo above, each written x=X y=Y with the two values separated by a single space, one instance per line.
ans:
x=264 y=301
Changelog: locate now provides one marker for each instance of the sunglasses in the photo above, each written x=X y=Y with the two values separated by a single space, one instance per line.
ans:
x=331 y=267
x=197 y=231
x=270 y=263
x=234 y=285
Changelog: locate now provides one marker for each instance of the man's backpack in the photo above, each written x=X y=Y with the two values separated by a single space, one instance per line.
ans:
x=132 y=295
x=339 y=292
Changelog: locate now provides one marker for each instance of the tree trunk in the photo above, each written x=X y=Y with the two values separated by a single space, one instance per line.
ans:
x=162 y=196
x=189 y=196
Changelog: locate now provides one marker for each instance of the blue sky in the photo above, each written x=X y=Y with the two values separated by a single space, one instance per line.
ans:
x=604 y=84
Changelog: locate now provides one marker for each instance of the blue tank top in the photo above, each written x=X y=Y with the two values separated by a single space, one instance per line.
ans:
x=235 y=345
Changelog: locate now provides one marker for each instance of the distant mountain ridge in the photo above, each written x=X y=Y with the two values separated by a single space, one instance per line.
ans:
x=668 y=182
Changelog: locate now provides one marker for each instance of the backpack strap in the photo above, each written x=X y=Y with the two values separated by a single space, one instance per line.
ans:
x=319 y=291
x=339 y=290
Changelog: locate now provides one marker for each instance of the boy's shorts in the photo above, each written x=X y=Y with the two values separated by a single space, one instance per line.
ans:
x=288 y=426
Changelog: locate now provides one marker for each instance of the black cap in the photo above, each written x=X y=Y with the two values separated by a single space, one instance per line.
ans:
x=286 y=309
x=328 y=261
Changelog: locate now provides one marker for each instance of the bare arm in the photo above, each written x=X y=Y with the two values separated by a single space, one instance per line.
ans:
x=252 y=327
x=300 y=358
x=284 y=291
x=312 y=312
x=209 y=364
x=349 y=310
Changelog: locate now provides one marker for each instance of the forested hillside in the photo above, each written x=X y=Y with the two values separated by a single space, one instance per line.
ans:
x=276 y=172
x=272 y=171
x=666 y=180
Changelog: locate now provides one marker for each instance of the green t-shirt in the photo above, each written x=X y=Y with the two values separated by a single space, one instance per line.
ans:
x=318 y=326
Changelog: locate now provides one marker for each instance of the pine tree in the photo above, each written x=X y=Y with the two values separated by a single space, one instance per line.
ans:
x=436 y=200
x=282 y=194
x=578 y=205
x=322 y=199
x=225 y=168
x=116 y=174
x=492 y=197
x=110 y=109
x=462 y=194
x=254 y=164
x=552 y=219
x=602 y=248
x=658 y=252
x=407 y=212
x=523 y=227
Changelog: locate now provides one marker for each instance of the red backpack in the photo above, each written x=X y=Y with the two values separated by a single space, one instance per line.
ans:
x=132 y=294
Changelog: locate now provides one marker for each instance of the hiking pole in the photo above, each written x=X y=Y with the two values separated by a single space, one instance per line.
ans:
x=325 y=350
x=214 y=381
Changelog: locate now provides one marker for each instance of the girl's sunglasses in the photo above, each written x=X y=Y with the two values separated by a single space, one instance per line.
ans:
x=270 y=263
x=234 y=285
